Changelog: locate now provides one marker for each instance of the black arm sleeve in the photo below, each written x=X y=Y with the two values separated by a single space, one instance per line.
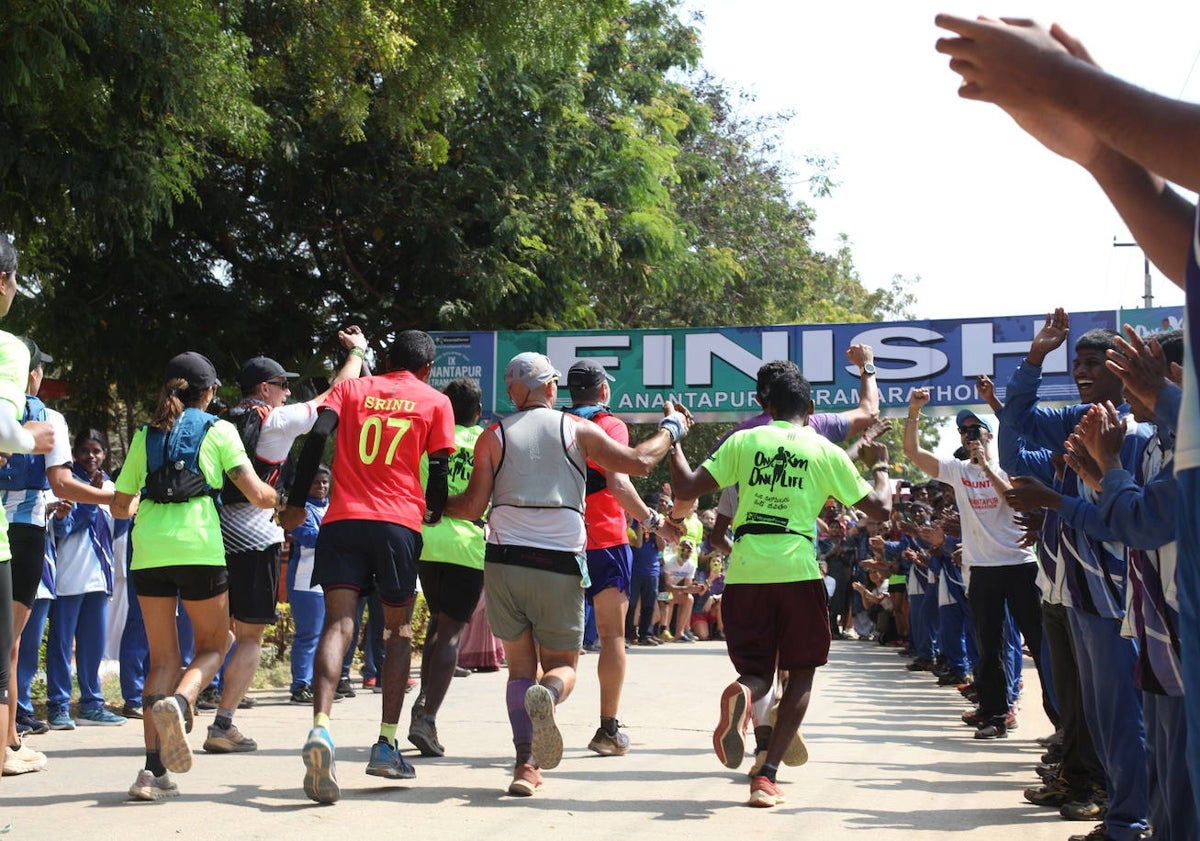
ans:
x=310 y=456
x=436 y=489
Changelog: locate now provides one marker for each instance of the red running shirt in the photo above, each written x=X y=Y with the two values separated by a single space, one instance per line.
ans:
x=385 y=424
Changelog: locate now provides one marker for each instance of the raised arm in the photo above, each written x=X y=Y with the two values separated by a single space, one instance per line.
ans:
x=1127 y=138
x=860 y=419
x=913 y=450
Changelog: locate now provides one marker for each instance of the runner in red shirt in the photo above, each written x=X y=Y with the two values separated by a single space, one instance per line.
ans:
x=371 y=536
x=609 y=496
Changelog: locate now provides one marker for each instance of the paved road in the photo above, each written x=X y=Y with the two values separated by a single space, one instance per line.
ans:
x=889 y=760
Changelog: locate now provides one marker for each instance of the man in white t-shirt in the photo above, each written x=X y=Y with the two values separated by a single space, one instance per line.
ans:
x=253 y=539
x=1002 y=573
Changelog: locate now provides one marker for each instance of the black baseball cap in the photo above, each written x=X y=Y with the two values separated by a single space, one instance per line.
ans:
x=587 y=373
x=259 y=370
x=193 y=367
x=36 y=357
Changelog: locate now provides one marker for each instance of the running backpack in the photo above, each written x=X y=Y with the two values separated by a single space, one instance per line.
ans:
x=596 y=481
x=173 y=459
x=25 y=471
x=248 y=421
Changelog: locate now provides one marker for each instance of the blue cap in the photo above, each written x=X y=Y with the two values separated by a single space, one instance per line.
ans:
x=967 y=413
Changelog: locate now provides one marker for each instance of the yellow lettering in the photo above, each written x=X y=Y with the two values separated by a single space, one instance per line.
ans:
x=389 y=404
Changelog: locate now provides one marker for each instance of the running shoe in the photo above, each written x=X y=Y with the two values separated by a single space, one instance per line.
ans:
x=796 y=753
x=764 y=793
x=422 y=732
x=302 y=696
x=149 y=787
x=526 y=780
x=28 y=725
x=22 y=760
x=320 y=782
x=208 y=700
x=344 y=689
x=99 y=716
x=60 y=720
x=729 y=739
x=1055 y=793
x=173 y=746
x=230 y=740
x=609 y=744
x=387 y=761
x=547 y=740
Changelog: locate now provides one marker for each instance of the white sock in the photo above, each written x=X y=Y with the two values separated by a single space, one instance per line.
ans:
x=760 y=708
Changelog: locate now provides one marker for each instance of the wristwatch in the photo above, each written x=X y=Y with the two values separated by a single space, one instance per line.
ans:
x=869 y=369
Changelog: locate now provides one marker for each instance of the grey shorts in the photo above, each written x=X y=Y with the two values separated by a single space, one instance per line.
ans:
x=549 y=603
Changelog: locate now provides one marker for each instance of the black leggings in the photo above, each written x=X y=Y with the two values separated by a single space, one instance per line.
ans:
x=6 y=628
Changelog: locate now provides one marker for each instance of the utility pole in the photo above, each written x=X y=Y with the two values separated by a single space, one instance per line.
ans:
x=1148 y=294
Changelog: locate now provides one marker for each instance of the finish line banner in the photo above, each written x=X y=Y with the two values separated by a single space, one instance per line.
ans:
x=712 y=371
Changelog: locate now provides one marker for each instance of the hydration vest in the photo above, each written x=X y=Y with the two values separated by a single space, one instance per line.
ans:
x=26 y=471
x=596 y=480
x=173 y=456
x=248 y=420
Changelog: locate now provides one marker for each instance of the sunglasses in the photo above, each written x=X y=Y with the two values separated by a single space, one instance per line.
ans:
x=279 y=383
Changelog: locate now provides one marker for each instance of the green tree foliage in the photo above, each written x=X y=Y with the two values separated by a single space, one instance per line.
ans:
x=109 y=112
x=434 y=163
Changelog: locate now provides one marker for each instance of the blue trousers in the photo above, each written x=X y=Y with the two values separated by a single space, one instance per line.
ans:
x=1187 y=576
x=932 y=615
x=956 y=637
x=643 y=595
x=1112 y=706
x=918 y=625
x=1080 y=765
x=30 y=652
x=1172 y=809
x=1014 y=659
x=135 y=650
x=308 y=616
x=77 y=624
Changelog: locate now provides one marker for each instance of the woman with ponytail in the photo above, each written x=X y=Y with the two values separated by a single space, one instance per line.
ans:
x=176 y=465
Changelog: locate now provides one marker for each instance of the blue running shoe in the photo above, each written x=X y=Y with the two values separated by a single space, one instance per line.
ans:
x=387 y=761
x=320 y=784
x=60 y=720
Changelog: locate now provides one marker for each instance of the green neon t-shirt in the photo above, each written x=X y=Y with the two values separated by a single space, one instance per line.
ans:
x=181 y=533
x=455 y=541
x=784 y=474
x=14 y=374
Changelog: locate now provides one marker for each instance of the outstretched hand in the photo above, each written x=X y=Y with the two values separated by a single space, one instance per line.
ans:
x=1141 y=366
x=1050 y=337
x=987 y=391
x=1028 y=494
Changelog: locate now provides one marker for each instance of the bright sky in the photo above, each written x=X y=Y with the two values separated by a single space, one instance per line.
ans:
x=940 y=188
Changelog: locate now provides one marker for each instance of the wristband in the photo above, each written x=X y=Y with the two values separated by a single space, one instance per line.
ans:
x=673 y=424
x=358 y=352
x=654 y=522
x=912 y=418
x=885 y=468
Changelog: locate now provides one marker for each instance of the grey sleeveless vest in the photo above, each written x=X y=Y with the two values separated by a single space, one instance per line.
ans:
x=536 y=469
